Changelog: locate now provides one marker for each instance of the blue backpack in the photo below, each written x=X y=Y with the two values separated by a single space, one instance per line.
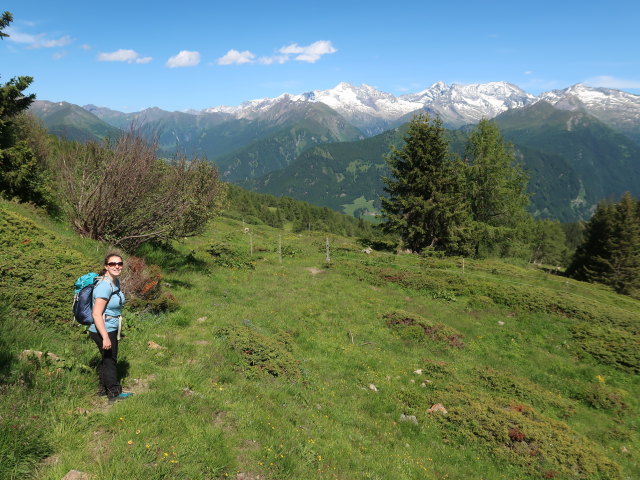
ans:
x=83 y=298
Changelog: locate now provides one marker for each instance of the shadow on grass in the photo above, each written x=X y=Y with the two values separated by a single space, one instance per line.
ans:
x=122 y=367
x=6 y=359
x=170 y=259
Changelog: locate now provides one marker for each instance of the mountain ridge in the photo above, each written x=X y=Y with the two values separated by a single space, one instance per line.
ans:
x=374 y=111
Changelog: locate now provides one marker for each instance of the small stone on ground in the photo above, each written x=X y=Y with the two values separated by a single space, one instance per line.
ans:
x=438 y=407
x=77 y=475
x=154 y=346
x=315 y=271
x=409 y=418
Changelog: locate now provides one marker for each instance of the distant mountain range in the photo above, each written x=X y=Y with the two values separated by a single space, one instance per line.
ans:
x=580 y=144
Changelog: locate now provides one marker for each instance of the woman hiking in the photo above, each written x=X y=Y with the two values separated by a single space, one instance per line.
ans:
x=108 y=300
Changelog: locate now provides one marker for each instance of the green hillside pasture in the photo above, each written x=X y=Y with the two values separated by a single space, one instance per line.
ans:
x=357 y=204
x=608 y=329
x=301 y=369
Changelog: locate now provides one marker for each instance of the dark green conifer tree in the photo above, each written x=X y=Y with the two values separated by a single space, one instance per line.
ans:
x=23 y=174
x=610 y=253
x=591 y=262
x=497 y=190
x=426 y=204
x=624 y=247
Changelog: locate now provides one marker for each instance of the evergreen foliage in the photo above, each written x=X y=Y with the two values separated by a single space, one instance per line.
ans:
x=473 y=207
x=610 y=252
x=426 y=205
x=257 y=208
x=548 y=243
x=22 y=171
x=497 y=188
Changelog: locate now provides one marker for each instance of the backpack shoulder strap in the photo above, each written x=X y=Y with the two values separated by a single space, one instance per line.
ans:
x=113 y=292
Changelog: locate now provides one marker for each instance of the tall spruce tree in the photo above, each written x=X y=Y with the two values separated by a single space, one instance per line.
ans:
x=22 y=173
x=497 y=189
x=591 y=262
x=426 y=204
x=625 y=248
x=610 y=252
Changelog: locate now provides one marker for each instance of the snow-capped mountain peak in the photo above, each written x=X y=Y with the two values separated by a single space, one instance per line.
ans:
x=613 y=107
x=591 y=97
x=373 y=110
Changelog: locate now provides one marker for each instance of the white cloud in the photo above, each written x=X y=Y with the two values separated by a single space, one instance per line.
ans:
x=234 y=57
x=184 y=59
x=280 y=59
x=19 y=37
x=58 y=55
x=60 y=42
x=310 y=53
x=39 y=40
x=612 y=82
x=85 y=47
x=529 y=72
x=122 y=55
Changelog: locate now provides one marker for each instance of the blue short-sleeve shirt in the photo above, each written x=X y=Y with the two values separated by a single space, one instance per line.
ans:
x=104 y=289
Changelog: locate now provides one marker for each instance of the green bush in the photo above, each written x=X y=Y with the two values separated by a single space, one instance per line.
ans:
x=414 y=327
x=545 y=447
x=260 y=354
x=228 y=257
x=522 y=390
x=37 y=271
x=603 y=397
x=504 y=425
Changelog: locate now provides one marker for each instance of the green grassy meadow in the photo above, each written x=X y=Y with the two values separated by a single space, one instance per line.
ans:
x=292 y=367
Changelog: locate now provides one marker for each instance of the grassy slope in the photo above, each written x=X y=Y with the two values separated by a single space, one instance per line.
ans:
x=207 y=408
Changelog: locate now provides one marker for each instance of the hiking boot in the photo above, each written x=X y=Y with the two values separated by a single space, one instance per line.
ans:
x=122 y=396
x=101 y=392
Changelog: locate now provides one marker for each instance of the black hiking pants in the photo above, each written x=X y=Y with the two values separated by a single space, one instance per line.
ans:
x=107 y=370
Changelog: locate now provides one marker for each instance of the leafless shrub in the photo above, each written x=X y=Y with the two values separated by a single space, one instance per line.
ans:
x=121 y=192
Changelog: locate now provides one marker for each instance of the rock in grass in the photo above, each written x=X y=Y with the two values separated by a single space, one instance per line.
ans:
x=154 y=346
x=77 y=475
x=35 y=353
x=373 y=388
x=409 y=418
x=438 y=407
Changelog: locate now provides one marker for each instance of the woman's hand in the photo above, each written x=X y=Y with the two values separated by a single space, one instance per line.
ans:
x=106 y=343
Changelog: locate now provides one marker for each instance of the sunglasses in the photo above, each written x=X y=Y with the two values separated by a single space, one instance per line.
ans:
x=115 y=264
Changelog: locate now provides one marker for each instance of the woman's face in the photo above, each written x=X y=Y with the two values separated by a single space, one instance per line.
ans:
x=114 y=266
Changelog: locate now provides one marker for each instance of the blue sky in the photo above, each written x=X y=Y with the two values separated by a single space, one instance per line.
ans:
x=180 y=55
